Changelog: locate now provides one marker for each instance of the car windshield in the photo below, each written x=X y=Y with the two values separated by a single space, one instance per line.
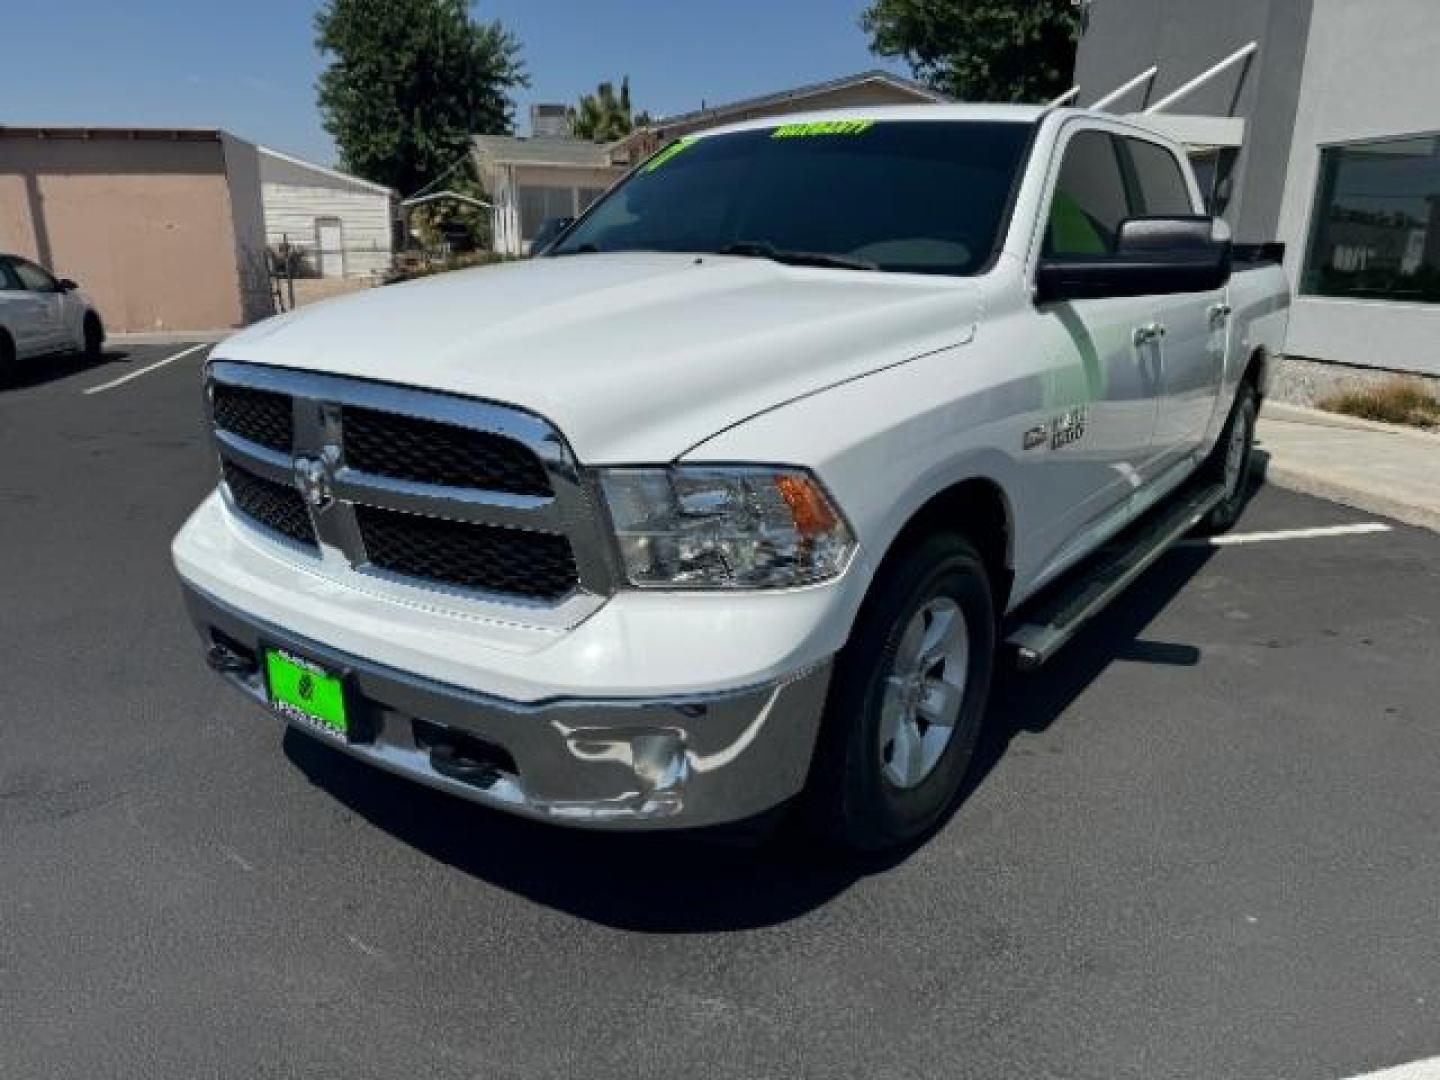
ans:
x=914 y=196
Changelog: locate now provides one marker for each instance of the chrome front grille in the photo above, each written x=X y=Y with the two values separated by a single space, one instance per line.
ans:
x=467 y=554
x=258 y=415
x=276 y=506
x=407 y=448
x=409 y=487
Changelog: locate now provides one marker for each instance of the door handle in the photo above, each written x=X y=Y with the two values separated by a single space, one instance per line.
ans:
x=1219 y=313
x=1143 y=335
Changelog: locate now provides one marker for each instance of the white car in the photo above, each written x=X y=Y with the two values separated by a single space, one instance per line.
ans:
x=41 y=314
x=734 y=498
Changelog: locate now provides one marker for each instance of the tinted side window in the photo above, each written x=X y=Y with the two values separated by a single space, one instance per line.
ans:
x=1161 y=183
x=32 y=277
x=1089 y=201
x=8 y=280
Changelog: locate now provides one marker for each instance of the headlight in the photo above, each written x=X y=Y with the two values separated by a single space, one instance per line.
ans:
x=727 y=527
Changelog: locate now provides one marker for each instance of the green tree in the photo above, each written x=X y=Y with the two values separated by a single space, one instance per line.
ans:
x=605 y=116
x=980 y=50
x=408 y=83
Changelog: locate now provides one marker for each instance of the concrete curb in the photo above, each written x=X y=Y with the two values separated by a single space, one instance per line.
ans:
x=170 y=337
x=1313 y=482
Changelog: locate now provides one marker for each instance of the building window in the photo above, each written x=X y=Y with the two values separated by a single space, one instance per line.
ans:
x=1375 y=233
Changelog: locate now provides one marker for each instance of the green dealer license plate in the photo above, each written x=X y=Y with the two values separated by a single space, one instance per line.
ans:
x=304 y=691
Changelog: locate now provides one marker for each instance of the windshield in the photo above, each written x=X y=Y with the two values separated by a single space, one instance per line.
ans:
x=913 y=196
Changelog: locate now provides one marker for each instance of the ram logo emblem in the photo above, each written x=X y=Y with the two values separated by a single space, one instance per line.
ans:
x=312 y=477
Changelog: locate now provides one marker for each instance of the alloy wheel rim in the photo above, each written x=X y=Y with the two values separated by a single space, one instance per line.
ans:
x=922 y=694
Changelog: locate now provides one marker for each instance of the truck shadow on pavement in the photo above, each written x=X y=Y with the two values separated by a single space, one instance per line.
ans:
x=679 y=883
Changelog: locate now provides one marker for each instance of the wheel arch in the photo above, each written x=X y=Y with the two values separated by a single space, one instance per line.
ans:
x=1257 y=369
x=977 y=508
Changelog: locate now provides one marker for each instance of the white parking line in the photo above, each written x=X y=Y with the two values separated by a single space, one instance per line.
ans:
x=1429 y=1069
x=1286 y=534
x=146 y=370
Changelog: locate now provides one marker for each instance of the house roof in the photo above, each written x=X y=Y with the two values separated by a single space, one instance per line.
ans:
x=765 y=101
x=333 y=174
x=576 y=153
x=514 y=150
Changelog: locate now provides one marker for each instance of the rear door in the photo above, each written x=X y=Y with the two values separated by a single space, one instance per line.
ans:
x=47 y=303
x=22 y=311
x=1192 y=349
x=1101 y=399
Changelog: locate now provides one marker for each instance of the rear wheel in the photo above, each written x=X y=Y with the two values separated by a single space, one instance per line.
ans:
x=907 y=700
x=1231 y=459
x=94 y=340
x=9 y=365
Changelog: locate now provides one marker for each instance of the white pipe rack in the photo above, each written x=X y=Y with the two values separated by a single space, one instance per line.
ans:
x=1201 y=79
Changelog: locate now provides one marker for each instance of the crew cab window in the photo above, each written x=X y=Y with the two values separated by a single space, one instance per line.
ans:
x=33 y=278
x=1089 y=201
x=1161 y=184
x=920 y=197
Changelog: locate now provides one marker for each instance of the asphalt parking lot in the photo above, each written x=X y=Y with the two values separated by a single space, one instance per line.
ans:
x=1202 y=843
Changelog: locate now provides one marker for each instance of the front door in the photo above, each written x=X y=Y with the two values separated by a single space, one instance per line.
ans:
x=330 y=242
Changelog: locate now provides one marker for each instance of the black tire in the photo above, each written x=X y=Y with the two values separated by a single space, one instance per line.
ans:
x=1241 y=425
x=851 y=799
x=94 y=337
x=9 y=365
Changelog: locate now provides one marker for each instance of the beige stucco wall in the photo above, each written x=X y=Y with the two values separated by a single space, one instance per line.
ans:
x=145 y=225
x=247 y=219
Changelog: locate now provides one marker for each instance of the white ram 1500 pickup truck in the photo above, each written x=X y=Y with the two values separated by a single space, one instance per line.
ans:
x=733 y=497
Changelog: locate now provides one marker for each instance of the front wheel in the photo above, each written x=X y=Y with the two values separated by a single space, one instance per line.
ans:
x=908 y=699
x=1230 y=461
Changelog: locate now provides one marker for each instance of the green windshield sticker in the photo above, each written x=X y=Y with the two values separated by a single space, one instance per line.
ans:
x=669 y=152
x=822 y=127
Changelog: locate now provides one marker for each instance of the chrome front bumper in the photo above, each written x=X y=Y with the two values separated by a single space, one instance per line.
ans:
x=677 y=762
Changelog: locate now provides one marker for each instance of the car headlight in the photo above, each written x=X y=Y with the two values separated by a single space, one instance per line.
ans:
x=725 y=527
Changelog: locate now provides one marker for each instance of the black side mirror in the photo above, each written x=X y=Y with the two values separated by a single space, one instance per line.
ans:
x=66 y=285
x=1153 y=256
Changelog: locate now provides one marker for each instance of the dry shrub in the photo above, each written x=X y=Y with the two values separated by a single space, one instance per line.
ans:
x=1395 y=401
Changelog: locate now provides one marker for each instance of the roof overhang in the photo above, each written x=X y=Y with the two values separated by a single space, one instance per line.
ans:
x=127 y=134
x=1212 y=132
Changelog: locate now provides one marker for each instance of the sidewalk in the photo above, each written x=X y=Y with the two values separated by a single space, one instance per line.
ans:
x=168 y=337
x=1382 y=468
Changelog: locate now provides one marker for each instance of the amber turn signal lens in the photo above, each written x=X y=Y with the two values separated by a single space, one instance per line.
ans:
x=811 y=510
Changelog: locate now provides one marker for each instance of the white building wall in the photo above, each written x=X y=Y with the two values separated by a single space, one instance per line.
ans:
x=1371 y=72
x=291 y=212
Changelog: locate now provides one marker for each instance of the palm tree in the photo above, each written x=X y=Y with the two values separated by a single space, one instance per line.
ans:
x=605 y=116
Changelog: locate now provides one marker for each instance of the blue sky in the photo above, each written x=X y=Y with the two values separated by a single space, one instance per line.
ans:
x=250 y=67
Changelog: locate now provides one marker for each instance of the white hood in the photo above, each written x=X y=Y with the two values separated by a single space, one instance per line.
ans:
x=635 y=357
